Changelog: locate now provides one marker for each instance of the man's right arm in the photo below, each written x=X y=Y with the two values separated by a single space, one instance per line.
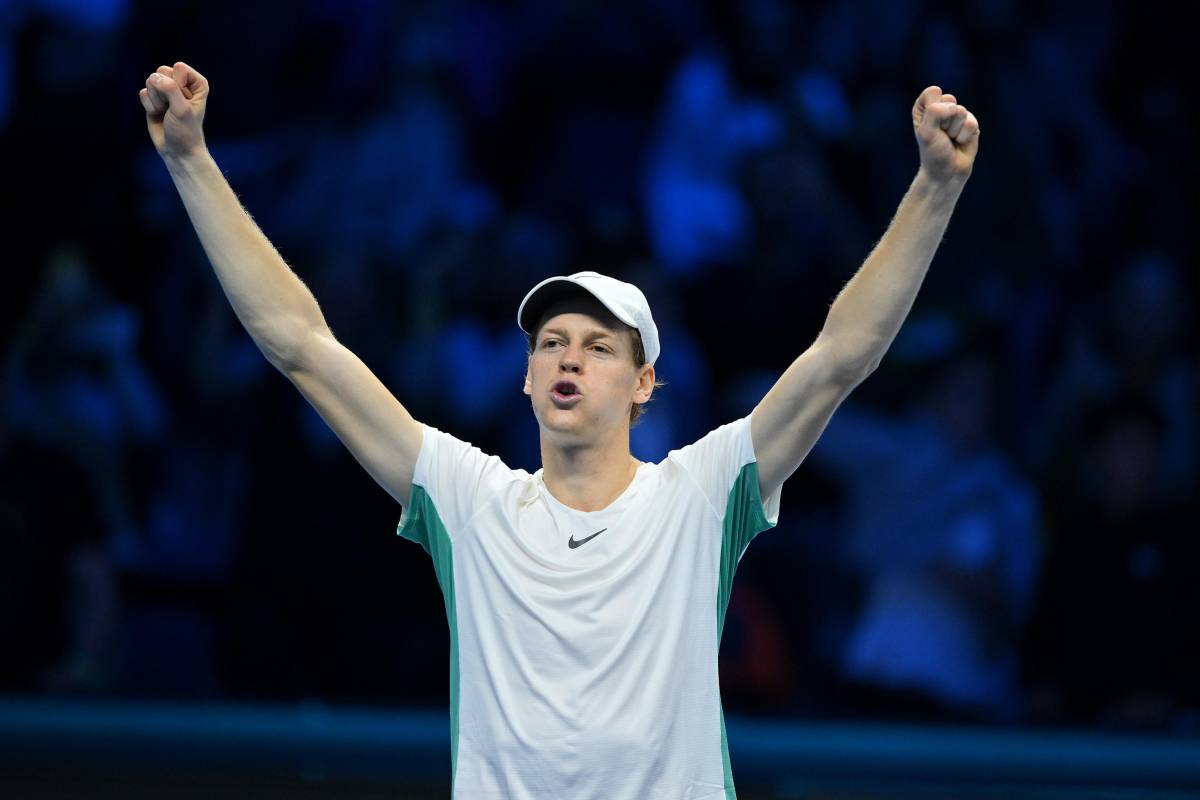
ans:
x=378 y=431
x=272 y=303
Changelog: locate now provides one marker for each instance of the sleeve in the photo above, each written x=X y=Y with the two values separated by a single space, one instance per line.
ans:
x=722 y=463
x=452 y=479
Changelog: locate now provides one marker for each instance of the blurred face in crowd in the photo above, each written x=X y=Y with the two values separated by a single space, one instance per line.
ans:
x=579 y=342
x=1125 y=458
x=963 y=398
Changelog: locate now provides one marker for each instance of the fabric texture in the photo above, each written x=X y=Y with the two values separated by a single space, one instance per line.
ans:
x=587 y=671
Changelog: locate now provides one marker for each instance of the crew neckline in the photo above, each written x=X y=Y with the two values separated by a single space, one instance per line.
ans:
x=618 y=501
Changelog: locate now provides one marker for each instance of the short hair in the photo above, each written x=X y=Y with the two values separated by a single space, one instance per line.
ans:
x=639 y=361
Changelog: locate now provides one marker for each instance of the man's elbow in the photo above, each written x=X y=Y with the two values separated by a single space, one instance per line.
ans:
x=288 y=346
x=854 y=360
x=873 y=363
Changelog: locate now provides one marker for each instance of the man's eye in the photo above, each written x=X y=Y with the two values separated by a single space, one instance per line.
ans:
x=600 y=347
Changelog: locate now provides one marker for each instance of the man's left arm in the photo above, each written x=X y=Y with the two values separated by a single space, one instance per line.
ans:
x=868 y=312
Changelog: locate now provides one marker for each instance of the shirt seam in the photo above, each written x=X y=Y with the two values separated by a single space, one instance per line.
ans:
x=700 y=489
x=484 y=505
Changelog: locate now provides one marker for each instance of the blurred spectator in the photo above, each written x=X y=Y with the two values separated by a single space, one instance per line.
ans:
x=175 y=573
x=1130 y=340
x=757 y=673
x=943 y=533
x=77 y=393
x=694 y=210
x=1117 y=622
x=57 y=587
x=381 y=185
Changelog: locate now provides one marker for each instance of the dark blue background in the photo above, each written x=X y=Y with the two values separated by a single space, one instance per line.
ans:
x=997 y=527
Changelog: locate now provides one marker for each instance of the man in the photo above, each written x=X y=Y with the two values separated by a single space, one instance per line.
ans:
x=585 y=601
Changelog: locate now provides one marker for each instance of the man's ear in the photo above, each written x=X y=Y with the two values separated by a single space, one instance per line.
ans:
x=646 y=382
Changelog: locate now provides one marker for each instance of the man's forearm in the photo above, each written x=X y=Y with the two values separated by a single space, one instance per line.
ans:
x=868 y=312
x=273 y=304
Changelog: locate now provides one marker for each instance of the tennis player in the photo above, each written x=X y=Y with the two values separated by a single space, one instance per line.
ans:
x=586 y=600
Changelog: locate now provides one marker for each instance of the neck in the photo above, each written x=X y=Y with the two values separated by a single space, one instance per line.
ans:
x=588 y=477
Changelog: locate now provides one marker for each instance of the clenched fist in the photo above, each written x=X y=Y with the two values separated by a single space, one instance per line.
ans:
x=174 y=99
x=947 y=135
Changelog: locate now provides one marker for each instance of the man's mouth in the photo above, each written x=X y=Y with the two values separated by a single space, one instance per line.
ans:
x=565 y=393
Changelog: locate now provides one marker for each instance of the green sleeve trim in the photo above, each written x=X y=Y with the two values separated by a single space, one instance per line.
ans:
x=421 y=523
x=744 y=519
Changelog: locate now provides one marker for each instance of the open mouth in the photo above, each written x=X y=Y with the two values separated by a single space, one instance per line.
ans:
x=565 y=393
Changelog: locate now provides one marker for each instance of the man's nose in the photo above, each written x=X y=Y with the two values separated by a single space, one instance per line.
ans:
x=569 y=361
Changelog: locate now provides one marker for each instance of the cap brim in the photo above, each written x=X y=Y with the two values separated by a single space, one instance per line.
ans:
x=548 y=294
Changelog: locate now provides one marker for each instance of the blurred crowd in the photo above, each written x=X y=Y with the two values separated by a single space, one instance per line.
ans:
x=992 y=529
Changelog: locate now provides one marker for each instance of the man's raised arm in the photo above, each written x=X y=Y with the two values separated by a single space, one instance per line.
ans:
x=868 y=312
x=273 y=304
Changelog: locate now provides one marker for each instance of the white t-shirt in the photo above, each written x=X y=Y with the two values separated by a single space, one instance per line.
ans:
x=587 y=671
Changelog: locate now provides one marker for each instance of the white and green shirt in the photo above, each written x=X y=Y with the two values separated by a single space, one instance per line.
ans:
x=583 y=644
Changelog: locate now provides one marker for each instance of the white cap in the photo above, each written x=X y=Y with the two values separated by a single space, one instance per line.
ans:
x=624 y=300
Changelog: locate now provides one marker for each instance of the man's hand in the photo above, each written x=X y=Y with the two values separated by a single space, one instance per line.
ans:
x=947 y=135
x=174 y=99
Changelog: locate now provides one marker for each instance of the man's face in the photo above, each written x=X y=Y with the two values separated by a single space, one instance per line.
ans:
x=579 y=342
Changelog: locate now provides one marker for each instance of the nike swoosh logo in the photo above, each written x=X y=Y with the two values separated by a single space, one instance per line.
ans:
x=573 y=544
